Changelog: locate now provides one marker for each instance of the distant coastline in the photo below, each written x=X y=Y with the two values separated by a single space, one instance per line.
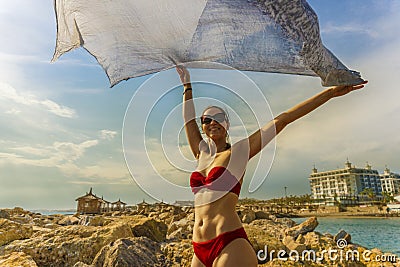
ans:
x=54 y=211
x=346 y=215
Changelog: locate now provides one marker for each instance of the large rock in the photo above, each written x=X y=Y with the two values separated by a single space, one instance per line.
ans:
x=130 y=252
x=40 y=222
x=286 y=222
x=4 y=214
x=178 y=253
x=18 y=211
x=155 y=230
x=311 y=239
x=272 y=228
x=263 y=241
x=180 y=233
x=17 y=259
x=303 y=228
x=165 y=217
x=342 y=235
x=10 y=231
x=181 y=229
x=247 y=215
x=293 y=245
x=51 y=226
x=22 y=218
x=94 y=220
x=262 y=215
x=69 y=220
x=175 y=218
x=283 y=221
x=67 y=245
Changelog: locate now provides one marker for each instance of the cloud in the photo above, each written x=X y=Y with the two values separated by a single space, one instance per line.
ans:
x=19 y=59
x=55 y=155
x=55 y=108
x=26 y=29
x=13 y=111
x=107 y=134
x=73 y=62
x=8 y=156
x=379 y=30
x=9 y=93
x=104 y=172
x=69 y=158
x=349 y=28
x=70 y=152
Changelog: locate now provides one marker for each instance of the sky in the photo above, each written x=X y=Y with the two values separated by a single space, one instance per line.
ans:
x=64 y=130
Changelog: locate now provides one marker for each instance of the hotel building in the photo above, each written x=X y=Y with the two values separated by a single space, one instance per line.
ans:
x=346 y=185
x=390 y=182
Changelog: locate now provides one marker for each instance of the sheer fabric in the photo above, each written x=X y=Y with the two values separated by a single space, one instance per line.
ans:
x=130 y=38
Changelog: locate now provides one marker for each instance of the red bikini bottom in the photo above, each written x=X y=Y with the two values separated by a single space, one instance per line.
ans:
x=209 y=250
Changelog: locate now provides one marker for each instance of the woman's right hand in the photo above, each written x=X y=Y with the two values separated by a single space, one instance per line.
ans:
x=183 y=74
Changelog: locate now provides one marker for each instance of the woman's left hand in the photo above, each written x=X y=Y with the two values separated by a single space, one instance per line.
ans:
x=345 y=89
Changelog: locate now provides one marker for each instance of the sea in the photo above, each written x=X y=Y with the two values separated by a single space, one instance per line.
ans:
x=382 y=233
x=53 y=212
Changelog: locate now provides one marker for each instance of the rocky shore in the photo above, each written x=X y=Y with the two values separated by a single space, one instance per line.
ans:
x=161 y=236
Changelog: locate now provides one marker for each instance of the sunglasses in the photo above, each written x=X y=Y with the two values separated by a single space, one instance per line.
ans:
x=207 y=119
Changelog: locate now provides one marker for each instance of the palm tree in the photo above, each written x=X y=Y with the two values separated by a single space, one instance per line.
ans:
x=387 y=197
x=369 y=192
x=335 y=196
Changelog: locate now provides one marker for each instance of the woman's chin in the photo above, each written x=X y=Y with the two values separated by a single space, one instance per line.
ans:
x=215 y=136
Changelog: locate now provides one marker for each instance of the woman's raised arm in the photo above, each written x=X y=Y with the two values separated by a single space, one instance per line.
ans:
x=189 y=116
x=263 y=136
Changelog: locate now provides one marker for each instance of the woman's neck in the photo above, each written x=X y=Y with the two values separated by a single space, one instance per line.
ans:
x=222 y=146
x=217 y=146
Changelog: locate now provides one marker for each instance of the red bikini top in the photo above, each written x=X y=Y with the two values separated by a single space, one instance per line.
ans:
x=219 y=179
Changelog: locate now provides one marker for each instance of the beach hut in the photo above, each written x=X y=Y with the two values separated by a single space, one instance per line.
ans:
x=118 y=205
x=105 y=205
x=89 y=203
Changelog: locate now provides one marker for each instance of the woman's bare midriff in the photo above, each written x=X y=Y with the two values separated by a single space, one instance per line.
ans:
x=215 y=218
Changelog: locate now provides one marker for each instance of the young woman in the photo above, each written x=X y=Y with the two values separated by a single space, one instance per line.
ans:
x=218 y=235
